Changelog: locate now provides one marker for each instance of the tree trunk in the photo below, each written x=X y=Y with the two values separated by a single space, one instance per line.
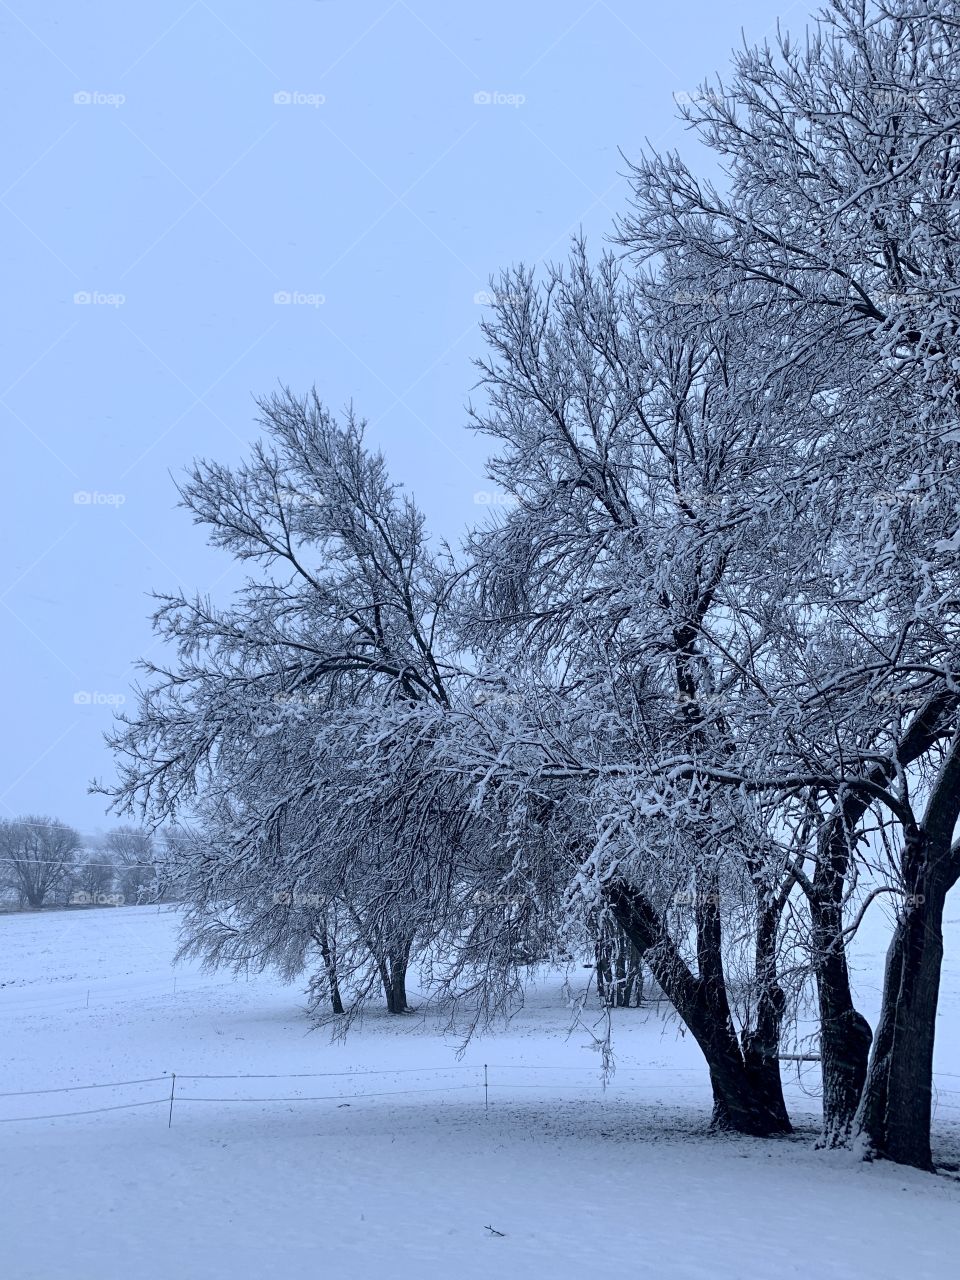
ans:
x=34 y=895
x=604 y=979
x=845 y=1034
x=633 y=983
x=893 y=1120
x=398 y=982
x=329 y=954
x=391 y=962
x=894 y=1117
x=618 y=968
x=393 y=974
x=761 y=1044
x=702 y=1004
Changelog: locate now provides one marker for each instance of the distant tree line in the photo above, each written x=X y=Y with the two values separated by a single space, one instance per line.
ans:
x=47 y=863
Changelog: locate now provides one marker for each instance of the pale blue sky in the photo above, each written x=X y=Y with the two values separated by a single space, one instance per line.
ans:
x=149 y=167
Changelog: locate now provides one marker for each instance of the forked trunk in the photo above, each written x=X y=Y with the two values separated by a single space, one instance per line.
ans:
x=393 y=975
x=743 y=1101
x=845 y=1034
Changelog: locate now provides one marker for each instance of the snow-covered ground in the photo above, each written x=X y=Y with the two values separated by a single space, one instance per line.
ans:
x=392 y=1164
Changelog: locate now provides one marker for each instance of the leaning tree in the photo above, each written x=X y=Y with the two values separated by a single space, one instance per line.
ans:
x=842 y=162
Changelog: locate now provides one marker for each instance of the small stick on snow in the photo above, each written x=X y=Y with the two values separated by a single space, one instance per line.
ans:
x=494 y=1232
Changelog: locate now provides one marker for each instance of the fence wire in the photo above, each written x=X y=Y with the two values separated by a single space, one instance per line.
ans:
x=484 y=1081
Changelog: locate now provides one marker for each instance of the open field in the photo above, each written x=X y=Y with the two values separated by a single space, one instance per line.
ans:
x=397 y=1167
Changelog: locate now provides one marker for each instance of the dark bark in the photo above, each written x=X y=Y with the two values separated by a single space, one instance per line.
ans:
x=393 y=974
x=761 y=1043
x=398 y=983
x=391 y=960
x=328 y=950
x=702 y=1004
x=604 y=971
x=845 y=1034
x=894 y=1116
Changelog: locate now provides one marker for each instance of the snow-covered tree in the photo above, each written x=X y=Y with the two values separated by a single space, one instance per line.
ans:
x=839 y=205
x=696 y=685
x=346 y=610
x=37 y=855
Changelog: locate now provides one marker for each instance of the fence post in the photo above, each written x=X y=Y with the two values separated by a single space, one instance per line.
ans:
x=173 y=1085
x=486 y=1090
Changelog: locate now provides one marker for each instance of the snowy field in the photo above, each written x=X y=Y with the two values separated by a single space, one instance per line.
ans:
x=396 y=1167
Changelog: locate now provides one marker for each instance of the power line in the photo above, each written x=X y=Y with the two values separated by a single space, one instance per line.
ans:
x=138 y=832
x=62 y=862
x=79 y=866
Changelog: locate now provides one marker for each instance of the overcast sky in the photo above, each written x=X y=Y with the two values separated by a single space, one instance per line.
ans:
x=171 y=170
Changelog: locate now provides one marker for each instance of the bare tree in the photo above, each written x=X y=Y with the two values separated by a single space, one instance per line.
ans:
x=94 y=877
x=38 y=854
x=638 y=451
x=703 y=665
x=348 y=610
x=619 y=969
x=843 y=161
x=133 y=852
